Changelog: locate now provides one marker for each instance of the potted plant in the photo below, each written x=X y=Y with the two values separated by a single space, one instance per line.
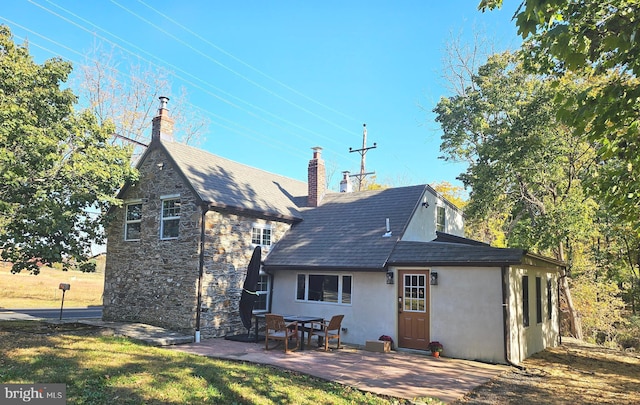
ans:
x=436 y=348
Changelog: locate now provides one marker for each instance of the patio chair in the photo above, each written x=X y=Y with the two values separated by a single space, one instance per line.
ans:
x=327 y=330
x=277 y=329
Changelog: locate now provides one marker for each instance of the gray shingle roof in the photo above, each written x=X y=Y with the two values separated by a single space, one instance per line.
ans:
x=224 y=183
x=448 y=254
x=345 y=231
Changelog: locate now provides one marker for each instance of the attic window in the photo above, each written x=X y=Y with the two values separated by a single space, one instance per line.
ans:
x=261 y=235
x=169 y=224
x=440 y=219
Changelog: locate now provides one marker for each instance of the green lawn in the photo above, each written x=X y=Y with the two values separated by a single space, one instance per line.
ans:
x=102 y=369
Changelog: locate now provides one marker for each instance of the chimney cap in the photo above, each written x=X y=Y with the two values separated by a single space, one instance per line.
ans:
x=163 y=102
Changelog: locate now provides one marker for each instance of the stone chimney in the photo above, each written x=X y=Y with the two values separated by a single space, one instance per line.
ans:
x=317 y=182
x=162 y=124
x=345 y=183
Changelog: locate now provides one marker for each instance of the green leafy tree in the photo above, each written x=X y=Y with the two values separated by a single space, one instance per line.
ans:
x=524 y=165
x=597 y=40
x=58 y=169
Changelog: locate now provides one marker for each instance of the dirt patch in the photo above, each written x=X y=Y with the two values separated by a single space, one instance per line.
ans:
x=573 y=373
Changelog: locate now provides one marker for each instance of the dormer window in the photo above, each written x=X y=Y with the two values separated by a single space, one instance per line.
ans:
x=440 y=219
x=261 y=235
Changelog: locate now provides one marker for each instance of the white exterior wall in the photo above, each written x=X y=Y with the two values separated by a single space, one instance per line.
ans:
x=422 y=226
x=371 y=314
x=525 y=341
x=466 y=313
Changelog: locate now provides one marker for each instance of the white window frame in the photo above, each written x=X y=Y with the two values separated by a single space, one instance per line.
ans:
x=128 y=221
x=262 y=228
x=441 y=227
x=266 y=293
x=341 y=293
x=164 y=199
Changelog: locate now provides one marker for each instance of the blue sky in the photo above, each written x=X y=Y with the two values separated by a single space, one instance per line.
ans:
x=277 y=78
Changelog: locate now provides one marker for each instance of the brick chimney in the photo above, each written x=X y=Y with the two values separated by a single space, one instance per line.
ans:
x=162 y=124
x=317 y=182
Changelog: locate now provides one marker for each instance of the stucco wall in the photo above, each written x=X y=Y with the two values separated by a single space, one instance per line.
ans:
x=422 y=227
x=527 y=340
x=371 y=314
x=466 y=313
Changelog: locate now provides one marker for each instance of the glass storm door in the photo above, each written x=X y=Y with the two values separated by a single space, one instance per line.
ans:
x=413 y=309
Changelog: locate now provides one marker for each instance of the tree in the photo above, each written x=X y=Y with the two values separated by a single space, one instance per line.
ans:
x=454 y=194
x=130 y=100
x=523 y=162
x=57 y=166
x=597 y=40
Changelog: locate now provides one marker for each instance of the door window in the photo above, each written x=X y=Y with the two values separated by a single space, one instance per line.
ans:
x=415 y=297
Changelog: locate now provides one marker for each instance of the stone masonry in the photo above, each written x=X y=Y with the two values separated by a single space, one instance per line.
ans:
x=155 y=281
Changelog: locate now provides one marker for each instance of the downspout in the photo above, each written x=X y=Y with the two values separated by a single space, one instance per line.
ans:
x=505 y=317
x=205 y=208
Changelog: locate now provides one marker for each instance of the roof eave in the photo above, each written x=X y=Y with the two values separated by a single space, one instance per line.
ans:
x=342 y=269
x=475 y=263
x=253 y=213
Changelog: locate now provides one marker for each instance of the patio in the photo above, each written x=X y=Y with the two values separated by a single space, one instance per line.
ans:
x=400 y=374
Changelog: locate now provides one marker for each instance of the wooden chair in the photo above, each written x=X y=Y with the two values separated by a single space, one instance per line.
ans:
x=277 y=329
x=327 y=330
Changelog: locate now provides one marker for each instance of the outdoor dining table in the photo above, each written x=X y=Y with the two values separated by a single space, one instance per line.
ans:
x=301 y=319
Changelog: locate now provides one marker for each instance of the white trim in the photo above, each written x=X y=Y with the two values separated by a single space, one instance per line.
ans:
x=340 y=288
x=135 y=221
x=163 y=218
x=262 y=227
x=169 y=196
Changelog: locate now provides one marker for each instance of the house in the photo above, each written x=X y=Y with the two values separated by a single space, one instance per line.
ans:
x=393 y=261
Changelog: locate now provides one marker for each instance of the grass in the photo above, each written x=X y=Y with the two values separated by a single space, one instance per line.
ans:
x=24 y=290
x=99 y=369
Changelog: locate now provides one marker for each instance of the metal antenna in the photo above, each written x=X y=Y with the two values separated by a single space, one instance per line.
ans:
x=361 y=176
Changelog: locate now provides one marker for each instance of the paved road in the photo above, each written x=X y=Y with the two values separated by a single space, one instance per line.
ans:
x=50 y=313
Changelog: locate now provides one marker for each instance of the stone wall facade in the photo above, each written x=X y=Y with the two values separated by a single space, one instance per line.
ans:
x=151 y=280
x=155 y=281
x=228 y=249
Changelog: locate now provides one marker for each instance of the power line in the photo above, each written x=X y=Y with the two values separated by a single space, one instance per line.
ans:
x=260 y=72
x=172 y=67
x=222 y=65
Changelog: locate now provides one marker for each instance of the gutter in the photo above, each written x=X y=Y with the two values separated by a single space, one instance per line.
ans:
x=203 y=218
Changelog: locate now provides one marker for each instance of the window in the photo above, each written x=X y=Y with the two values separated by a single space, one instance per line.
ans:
x=325 y=288
x=262 y=303
x=170 y=221
x=261 y=235
x=525 y=300
x=415 y=293
x=538 y=300
x=440 y=219
x=549 y=306
x=133 y=220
